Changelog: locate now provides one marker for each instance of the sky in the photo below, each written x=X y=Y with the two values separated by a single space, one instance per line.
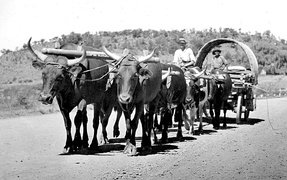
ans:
x=45 y=19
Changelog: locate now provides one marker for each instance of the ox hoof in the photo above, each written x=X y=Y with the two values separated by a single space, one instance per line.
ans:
x=164 y=138
x=116 y=132
x=85 y=145
x=146 y=150
x=103 y=140
x=94 y=146
x=180 y=138
x=67 y=150
x=130 y=149
x=190 y=132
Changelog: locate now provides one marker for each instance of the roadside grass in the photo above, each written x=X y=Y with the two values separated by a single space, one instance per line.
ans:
x=275 y=85
x=21 y=100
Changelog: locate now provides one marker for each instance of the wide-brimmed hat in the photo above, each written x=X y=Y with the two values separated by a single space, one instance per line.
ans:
x=182 y=41
x=216 y=50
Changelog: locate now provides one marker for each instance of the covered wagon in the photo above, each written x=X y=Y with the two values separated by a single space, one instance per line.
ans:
x=242 y=99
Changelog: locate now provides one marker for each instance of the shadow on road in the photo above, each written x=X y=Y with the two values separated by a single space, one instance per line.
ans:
x=113 y=149
x=117 y=145
x=205 y=132
x=158 y=149
x=250 y=121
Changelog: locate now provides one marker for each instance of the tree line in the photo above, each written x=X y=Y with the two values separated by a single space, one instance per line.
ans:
x=270 y=51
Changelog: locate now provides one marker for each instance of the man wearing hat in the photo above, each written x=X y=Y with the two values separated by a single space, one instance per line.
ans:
x=184 y=56
x=218 y=61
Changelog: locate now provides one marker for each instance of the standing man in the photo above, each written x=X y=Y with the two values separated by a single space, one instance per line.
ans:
x=184 y=56
x=218 y=61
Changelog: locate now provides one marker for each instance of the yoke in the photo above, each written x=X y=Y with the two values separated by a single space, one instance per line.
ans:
x=76 y=53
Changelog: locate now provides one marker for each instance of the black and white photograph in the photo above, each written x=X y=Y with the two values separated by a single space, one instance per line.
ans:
x=142 y=89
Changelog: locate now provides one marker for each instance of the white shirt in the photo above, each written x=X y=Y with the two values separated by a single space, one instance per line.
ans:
x=218 y=62
x=183 y=56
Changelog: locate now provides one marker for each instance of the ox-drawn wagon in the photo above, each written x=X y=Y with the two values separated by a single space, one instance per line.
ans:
x=242 y=99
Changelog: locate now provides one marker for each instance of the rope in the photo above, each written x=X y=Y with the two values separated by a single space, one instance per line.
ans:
x=92 y=80
x=267 y=106
x=268 y=114
x=269 y=120
x=268 y=111
x=97 y=79
x=89 y=70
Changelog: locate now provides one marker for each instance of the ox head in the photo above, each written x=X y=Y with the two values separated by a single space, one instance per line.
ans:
x=191 y=77
x=56 y=73
x=220 y=85
x=131 y=75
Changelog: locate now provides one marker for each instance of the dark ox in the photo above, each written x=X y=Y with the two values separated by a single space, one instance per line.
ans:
x=64 y=79
x=196 y=98
x=138 y=83
x=171 y=97
x=110 y=102
x=220 y=89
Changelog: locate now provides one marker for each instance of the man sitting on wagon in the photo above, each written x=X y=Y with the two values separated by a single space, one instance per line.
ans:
x=218 y=61
x=184 y=57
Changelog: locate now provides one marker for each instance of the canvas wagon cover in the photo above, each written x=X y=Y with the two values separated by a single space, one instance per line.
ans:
x=202 y=53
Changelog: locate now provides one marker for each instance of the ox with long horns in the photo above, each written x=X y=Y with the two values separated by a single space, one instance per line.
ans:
x=65 y=79
x=197 y=93
x=138 y=83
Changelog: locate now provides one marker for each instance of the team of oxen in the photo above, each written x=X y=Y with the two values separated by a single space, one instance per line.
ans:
x=141 y=85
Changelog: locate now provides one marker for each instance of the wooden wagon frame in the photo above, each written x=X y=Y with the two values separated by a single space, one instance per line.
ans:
x=242 y=99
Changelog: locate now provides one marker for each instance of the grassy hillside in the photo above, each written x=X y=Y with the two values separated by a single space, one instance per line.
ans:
x=16 y=67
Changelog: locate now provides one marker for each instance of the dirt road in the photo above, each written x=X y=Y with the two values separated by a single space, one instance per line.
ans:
x=30 y=148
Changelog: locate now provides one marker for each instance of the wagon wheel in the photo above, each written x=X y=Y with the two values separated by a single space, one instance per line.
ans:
x=239 y=109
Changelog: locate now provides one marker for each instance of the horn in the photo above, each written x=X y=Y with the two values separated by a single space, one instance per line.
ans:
x=145 y=58
x=111 y=55
x=36 y=53
x=77 y=60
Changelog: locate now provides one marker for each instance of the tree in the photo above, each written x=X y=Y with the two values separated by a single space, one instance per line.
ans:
x=265 y=46
x=5 y=51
